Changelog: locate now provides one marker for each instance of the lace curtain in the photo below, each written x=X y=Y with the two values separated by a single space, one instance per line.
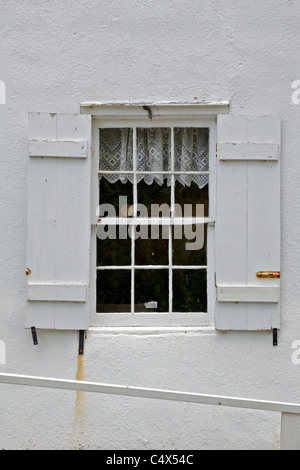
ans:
x=154 y=154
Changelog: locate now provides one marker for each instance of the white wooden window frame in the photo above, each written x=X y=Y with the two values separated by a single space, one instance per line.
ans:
x=170 y=116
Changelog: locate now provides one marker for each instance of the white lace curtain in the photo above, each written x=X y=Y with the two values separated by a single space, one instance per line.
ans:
x=154 y=154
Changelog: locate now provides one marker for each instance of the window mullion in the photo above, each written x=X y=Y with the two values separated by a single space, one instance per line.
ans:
x=172 y=216
x=135 y=201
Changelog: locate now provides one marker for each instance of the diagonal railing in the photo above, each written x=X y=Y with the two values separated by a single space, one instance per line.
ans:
x=290 y=412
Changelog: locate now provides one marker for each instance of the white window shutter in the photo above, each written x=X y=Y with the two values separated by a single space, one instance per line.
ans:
x=58 y=221
x=248 y=223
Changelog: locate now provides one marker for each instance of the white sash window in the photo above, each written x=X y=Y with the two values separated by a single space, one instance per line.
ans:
x=153 y=268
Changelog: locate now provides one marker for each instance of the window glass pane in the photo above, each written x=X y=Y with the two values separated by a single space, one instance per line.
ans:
x=189 y=291
x=152 y=251
x=153 y=196
x=153 y=152
x=192 y=150
x=113 y=252
x=116 y=151
x=113 y=291
x=118 y=195
x=151 y=290
x=193 y=196
x=190 y=247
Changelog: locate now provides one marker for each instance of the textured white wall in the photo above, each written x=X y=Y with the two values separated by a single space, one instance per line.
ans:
x=56 y=54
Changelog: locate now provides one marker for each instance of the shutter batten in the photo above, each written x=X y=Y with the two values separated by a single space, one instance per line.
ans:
x=57 y=292
x=248 y=151
x=58 y=148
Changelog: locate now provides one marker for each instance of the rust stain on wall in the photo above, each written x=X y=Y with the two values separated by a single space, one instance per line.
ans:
x=79 y=416
x=79 y=407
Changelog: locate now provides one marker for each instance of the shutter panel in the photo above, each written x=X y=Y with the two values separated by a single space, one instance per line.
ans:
x=58 y=221
x=248 y=223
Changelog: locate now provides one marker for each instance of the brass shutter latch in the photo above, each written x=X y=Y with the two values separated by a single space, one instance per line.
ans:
x=268 y=274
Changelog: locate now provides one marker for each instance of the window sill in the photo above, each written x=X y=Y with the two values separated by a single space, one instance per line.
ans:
x=151 y=331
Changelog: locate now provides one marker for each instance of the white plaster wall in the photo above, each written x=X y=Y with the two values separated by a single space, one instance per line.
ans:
x=56 y=54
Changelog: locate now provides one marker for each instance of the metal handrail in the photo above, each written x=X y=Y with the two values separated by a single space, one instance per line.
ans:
x=123 y=390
